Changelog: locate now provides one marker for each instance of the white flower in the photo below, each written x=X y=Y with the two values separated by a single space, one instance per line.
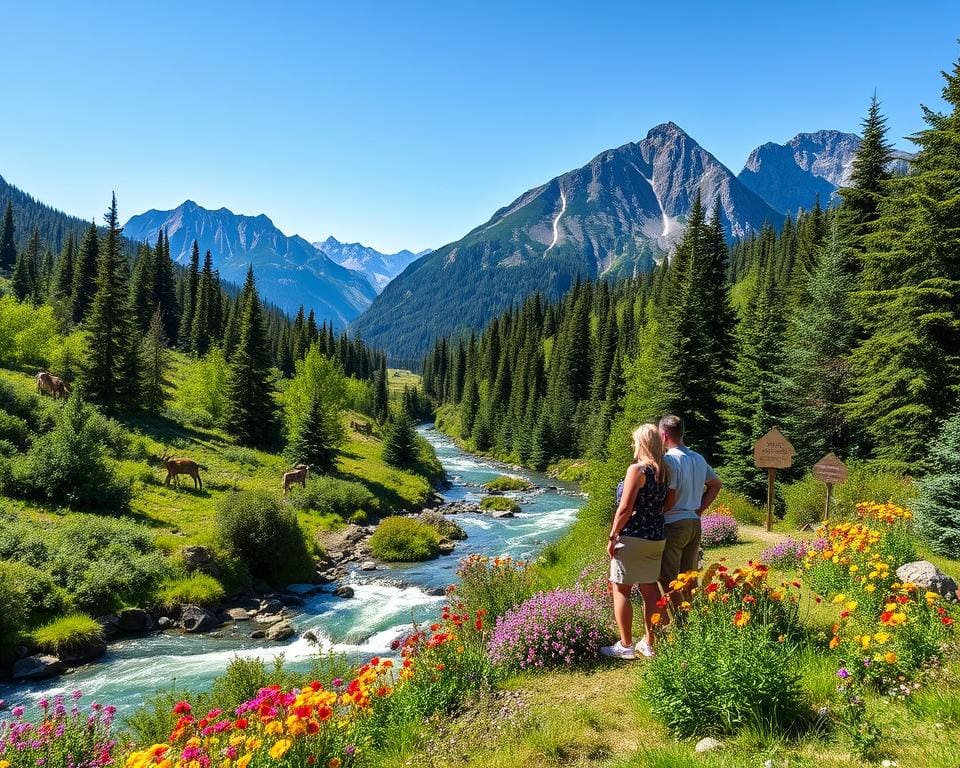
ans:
x=888 y=764
x=768 y=764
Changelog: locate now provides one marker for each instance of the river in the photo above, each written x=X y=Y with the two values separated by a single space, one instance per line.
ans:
x=386 y=601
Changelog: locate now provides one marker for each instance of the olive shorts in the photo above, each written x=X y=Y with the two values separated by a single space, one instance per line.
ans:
x=636 y=561
x=682 y=550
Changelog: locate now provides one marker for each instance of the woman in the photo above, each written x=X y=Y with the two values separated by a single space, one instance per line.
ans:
x=636 y=541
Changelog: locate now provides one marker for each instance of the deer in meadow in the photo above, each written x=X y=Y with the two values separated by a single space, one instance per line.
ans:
x=177 y=467
x=297 y=475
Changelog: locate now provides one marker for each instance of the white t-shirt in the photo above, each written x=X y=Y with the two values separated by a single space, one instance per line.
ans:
x=689 y=473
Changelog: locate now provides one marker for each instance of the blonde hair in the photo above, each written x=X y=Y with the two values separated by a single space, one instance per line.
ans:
x=648 y=449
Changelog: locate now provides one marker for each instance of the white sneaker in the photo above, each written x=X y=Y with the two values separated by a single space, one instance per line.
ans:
x=618 y=651
x=645 y=650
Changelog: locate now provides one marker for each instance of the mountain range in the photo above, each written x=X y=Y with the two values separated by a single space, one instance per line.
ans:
x=289 y=270
x=379 y=268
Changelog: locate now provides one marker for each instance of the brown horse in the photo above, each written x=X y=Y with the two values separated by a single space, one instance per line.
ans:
x=48 y=384
x=297 y=475
x=177 y=467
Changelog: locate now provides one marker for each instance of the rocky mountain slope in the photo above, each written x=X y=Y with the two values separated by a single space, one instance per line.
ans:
x=791 y=176
x=379 y=268
x=618 y=214
x=289 y=270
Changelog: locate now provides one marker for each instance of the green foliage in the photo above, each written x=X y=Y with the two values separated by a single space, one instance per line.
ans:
x=14 y=614
x=265 y=535
x=743 y=509
x=66 y=355
x=400 y=445
x=68 y=465
x=29 y=335
x=508 y=483
x=195 y=589
x=499 y=504
x=313 y=403
x=154 y=365
x=937 y=507
x=404 y=540
x=202 y=390
x=68 y=633
x=39 y=595
x=333 y=496
x=493 y=585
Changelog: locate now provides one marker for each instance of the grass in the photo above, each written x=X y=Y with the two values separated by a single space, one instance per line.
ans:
x=499 y=504
x=398 y=378
x=508 y=483
x=72 y=632
x=404 y=540
x=195 y=589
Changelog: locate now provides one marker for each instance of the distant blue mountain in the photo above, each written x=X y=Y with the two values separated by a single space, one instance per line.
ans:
x=289 y=270
x=380 y=268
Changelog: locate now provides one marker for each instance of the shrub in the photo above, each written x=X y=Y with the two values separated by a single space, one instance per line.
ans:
x=40 y=597
x=404 y=540
x=718 y=530
x=332 y=496
x=68 y=466
x=400 y=445
x=508 y=483
x=265 y=535
x=731 y=662
x=68 y=633
x=116 y=577
x=14 y=430
x=67 y=355
x=202 y=393
x=62 y=737
x=493 y=584
x=443 y=525
x=743 y=509
x=195 y=589
x=27 y=333
x=563 y=627
x=14 y=614
x=499 y=504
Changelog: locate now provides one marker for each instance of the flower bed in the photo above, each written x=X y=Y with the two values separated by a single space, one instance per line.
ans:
x=719 y=530
x=559 y=628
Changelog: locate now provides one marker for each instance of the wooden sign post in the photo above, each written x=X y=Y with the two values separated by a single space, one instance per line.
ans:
x=772 y=452
x=829 y=470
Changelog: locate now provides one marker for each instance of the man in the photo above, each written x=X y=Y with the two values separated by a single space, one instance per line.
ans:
x=696 y=486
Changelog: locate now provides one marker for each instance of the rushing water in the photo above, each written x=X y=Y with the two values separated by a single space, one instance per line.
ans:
x=385 y=601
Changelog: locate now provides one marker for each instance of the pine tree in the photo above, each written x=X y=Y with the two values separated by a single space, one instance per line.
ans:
x=817 y=373
x=381 y=394
x=85 y=274
x=165 y=288
x=231 y=333
x=25 y=280
x=110 y=375
x=142 y=288
x=252 y=412
x=907 y=367
x=937 y=506
x=154 y=365
x=317 y=438
x=400 y=446
x=63 y=277
x=191 y=280
x=203 y=334
x=8 y=241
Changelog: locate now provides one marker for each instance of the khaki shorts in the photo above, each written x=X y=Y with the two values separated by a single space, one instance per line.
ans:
x=636 y=561
x=682 y=551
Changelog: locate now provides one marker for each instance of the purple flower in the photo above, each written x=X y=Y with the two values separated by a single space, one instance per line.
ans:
x=843 y=673
x=718 y=530
x=17 y=712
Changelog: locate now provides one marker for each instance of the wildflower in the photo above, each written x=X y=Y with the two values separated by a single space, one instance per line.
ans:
x=334 y=762
x=741 y=618
x=843 y=673
x=890 y=657
x=655 y=618
x=279 y=749
x=182 y=708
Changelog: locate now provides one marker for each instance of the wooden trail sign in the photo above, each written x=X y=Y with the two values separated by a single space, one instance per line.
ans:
x=829 y=470
x=772 y=452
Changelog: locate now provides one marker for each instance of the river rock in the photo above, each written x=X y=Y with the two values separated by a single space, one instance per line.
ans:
x=459 y=508
x=303 y=590
x=81 y=654
x=447 y=528
x=21 y=652
x=135 y=620
x=193 y=618
x=238 y=614
x=368 y=565
x=268 y=618
x=258 y=634
x=311 y=637
x=281 y=631
x=270 y=606
x=498 y=514
x=38 y=667
x=110 y=624
x=199 y=559
x=344 y=591
x=928 y=577
x=707 y=745
x=164 y=622
x=446 y=547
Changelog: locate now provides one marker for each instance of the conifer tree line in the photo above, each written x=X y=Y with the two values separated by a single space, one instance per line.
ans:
x=842 y=328
x=134 y=309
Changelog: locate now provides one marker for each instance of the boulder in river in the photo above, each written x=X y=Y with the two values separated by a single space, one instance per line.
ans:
x=446 y=547
x=110 y=624
x=268 y=618
x=87 y=651
x=303 y=590
x=498 y=514
x=238 y=614
x=258 y=634
x=447 y=528
x=343 y=591
x=164 y=622
x=194 y=618
x=135 y=620
x=279 y=632
x=38 y=667
x=271 y=606
x=368 y=565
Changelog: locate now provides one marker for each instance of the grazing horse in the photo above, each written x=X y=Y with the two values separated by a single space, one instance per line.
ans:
x=177 y=467
x=48 y=384
x=297 y=475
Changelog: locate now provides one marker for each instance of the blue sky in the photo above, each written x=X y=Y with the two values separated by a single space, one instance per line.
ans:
x=407 y=124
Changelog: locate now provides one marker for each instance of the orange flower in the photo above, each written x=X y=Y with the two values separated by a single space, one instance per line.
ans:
x=741 y=618
x=655 y=619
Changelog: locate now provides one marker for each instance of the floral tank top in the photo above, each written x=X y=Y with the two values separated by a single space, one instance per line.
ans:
x=646 y=522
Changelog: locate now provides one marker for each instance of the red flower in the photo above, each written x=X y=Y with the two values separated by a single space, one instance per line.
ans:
x=241 y=723
x=313 y=727
x=662 y=602
x=478 y=624
x=946 y=621
x=181 y=707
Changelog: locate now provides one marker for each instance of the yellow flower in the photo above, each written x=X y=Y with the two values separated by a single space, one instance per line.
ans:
x=932 y=597
x=279 y=749
x=839 y=598
x=870 y=588
x=6 y=763
x=655 y=619
x=685 y=606
x=243 y=762
x=865 y=642
x=890 y=657
x=852 y=606
x=274 y=728
x=881 y=637
x=854 y=568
